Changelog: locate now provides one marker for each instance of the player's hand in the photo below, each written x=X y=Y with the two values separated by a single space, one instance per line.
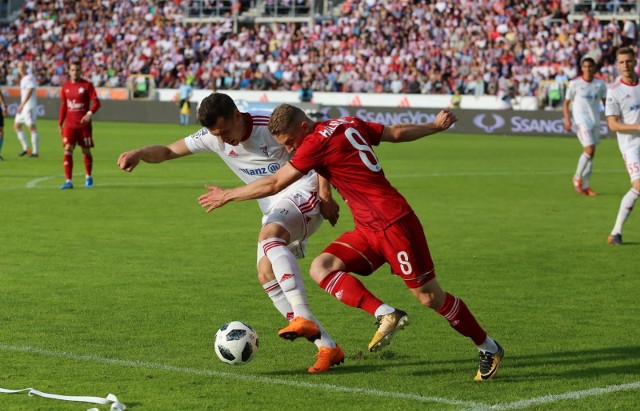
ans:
x=19 y=110
x=86 y=119
x=60 y=129
x=330 y=210
x=128 y=161
x=567 y=125
x=213 y=199
x=445 y=119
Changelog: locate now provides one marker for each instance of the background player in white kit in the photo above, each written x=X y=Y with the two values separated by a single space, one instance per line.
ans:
x=243 y=142
x=623 y=116
x=26 y=113
x=584 y=95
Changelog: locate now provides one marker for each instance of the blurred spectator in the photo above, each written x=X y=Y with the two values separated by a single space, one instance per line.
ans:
x=372 y=46
x=306 y=94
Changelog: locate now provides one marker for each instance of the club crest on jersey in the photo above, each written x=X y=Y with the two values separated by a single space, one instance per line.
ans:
x=264 y=150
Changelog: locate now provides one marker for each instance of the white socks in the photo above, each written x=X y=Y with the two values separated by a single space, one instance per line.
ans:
x=35 y=142
x=626 y=206
x=583 y=171
x=287 y=273
x=23 y=141
x=488 y=345
x=278 y=298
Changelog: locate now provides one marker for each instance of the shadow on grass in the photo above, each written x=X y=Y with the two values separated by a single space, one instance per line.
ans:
x=578 y=364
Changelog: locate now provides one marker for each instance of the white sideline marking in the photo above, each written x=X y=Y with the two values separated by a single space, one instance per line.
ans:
x=472 y=406
x=33 y=183
x=546 y=399
x=247 y=377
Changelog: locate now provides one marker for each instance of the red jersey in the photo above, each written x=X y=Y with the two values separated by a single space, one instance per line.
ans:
x=341 y=151
x=76 y=98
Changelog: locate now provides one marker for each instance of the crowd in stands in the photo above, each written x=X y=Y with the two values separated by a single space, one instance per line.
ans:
x=477 y=47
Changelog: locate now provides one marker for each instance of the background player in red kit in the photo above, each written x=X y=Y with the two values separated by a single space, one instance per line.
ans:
x=386 y=228
x=74 y=122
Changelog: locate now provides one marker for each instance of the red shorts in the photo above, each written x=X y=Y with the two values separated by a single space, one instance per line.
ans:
x=402 y=245
x=81 y=136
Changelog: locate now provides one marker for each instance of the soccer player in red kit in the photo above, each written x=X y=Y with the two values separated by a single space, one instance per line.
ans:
x=74 y=122
x=386 y=228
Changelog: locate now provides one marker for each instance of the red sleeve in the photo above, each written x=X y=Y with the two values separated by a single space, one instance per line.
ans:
x=63 y=106
x=309 y=156
x=95 y=103
x=373 y=131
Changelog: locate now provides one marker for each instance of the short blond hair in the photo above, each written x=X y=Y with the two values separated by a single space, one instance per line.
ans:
x=283 y=117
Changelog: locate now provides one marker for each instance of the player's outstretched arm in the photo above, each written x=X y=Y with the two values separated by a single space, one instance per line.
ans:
x=152 y=154
x=216 y=197
x=400 y=133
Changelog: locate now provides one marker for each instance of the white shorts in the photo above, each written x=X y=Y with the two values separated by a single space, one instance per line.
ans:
x=588 y=136
x=631 y=159
x=27 y=117
x=299 y=214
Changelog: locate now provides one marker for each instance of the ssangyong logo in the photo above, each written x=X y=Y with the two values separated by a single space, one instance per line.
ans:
x=479 y=122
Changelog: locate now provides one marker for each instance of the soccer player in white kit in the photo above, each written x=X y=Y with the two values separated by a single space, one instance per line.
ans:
x=584 y=95
x=26 y=113
x=243 y=142
x=623 y=116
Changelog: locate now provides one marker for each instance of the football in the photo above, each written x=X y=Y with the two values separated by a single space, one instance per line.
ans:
x=236 y=343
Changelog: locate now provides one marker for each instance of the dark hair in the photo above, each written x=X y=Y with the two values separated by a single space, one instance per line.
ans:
x=214 y=106
x=588 y=60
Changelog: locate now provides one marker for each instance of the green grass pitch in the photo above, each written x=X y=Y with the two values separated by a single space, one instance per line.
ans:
x=121 y=288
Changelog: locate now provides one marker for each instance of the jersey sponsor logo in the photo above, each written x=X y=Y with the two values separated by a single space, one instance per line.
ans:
x=74 y=105
x=261 y=171
x=498 y=122
x=273 y=167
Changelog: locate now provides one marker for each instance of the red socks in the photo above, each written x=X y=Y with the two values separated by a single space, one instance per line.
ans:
x=350 y=291
x=68 y=164
x=88 y=164
x=461 y=319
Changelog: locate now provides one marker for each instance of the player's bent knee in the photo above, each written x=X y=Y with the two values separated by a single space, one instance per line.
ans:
x=430 y=295
x=323 y=265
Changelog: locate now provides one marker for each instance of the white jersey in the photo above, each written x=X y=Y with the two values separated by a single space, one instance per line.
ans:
x=623 y=100
x=586 y=97
x=258 y=156
x=26 y=83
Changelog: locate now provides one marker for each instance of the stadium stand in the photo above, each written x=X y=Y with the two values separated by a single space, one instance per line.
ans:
x=517 y=48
